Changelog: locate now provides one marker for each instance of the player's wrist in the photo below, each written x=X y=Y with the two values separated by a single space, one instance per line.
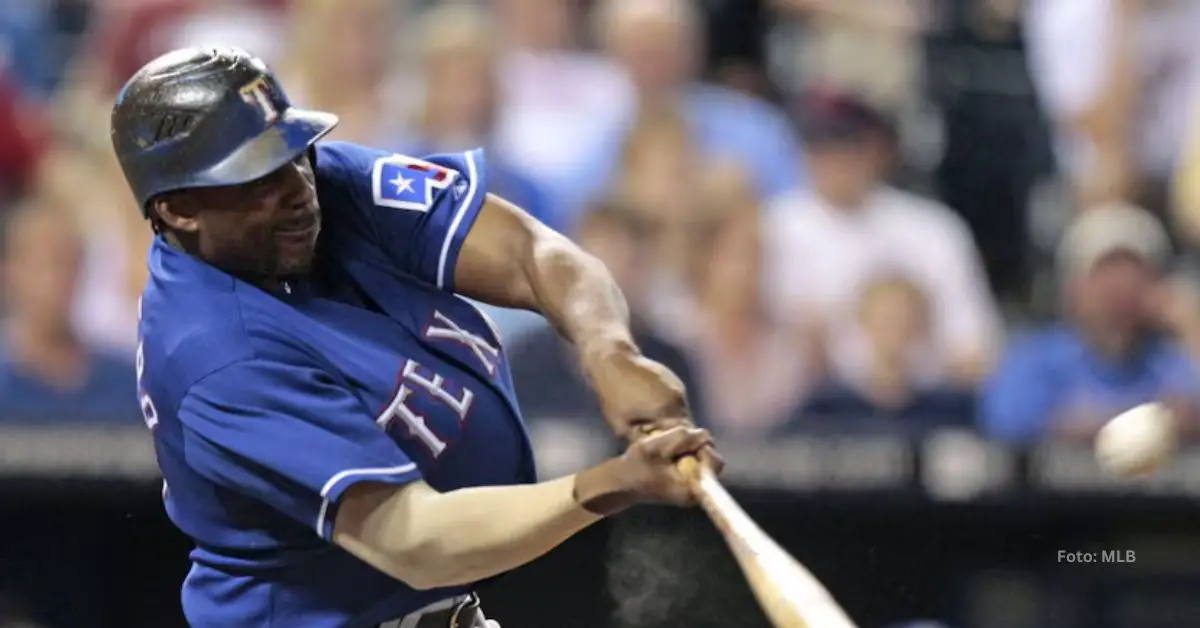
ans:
x=611 y=339
x=604 y=352
x=603 y=490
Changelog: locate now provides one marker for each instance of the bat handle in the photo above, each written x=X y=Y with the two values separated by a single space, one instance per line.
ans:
x=706 y=488
x=690 y=467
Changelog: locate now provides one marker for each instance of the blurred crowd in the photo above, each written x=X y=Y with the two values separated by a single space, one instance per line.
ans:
x=909 y=213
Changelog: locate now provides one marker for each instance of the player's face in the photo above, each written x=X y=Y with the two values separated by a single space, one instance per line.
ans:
x=264 y=229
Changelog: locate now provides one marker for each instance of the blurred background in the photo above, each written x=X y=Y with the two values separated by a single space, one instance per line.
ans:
x=908 y=255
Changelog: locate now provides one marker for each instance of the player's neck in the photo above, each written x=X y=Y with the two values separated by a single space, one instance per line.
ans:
x=277 y=285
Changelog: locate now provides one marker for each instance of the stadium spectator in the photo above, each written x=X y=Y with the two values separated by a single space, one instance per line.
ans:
x=872 y=47
x=341 y=59
x=985 y=145
x=1117 y=78
x=545 y=371
x=23 y=132
x=116 y=238
x=1185 y=184
x=122 y=36
x=558 y=102
x=826 y=244
x=895 y=320
x=457 y=54
x=1124 y=338
x=37 y=39
x=660 y=176
x=736 y=46
x=46 y=372
x=458 y=72
x=125 y=35
x=752 y=370
x=659 y=45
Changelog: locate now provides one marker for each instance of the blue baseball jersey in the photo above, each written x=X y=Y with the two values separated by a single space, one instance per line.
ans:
x=266 y=407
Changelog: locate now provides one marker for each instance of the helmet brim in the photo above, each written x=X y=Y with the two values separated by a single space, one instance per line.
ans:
x=289 y=137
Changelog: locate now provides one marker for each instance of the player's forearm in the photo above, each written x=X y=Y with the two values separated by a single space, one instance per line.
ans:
x=578 y=295
x=429 y=539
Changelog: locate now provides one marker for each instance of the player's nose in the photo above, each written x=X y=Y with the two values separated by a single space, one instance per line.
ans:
x=299 y=190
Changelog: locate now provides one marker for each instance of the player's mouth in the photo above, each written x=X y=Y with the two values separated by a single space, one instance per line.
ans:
x=300 y=228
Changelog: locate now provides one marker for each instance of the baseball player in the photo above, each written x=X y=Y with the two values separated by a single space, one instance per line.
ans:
x=336 y=427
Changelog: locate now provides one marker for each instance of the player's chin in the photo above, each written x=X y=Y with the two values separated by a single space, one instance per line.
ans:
x=296 y=251
x=295 y=266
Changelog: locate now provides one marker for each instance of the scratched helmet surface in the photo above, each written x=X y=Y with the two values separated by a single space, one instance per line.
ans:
x=207 y=117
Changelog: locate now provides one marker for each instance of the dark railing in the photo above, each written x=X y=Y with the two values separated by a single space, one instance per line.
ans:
x=898 y=526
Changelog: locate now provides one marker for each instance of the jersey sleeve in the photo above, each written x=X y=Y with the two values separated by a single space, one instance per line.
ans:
x=416 y=210
x=287 y=436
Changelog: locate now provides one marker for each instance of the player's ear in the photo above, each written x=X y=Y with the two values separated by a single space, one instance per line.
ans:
x=175 y=213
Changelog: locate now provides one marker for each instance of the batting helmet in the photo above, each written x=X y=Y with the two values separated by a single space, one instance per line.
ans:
x=206 y=117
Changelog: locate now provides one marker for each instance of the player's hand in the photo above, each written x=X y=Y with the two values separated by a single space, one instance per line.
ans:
x=639 y=396
x=707 y=454
x=636 y=392
x=646 y=472
x=651 y=463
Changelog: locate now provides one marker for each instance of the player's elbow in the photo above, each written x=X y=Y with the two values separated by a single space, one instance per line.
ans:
x=431 y=565
x=422 y=573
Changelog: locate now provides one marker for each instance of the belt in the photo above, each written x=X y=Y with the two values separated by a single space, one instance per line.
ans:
x=457 y=612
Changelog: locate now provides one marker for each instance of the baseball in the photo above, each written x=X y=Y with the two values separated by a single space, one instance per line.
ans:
x=1137 y=442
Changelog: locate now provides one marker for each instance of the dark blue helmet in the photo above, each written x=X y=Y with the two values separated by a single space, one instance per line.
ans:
x=206 y=117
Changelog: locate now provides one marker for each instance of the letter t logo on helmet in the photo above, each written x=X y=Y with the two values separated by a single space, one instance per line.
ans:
x=258 y=94
x=207 y=117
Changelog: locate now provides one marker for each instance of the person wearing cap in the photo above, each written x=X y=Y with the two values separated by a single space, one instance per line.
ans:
x=825 y=245
x=1123 y=339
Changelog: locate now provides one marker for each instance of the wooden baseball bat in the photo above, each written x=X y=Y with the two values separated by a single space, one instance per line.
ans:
x=786 y=590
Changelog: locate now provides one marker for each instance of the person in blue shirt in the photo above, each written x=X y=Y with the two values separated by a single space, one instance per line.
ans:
x=658 y=45
x=48 y=373
x=335 y=425
x=1114 y=349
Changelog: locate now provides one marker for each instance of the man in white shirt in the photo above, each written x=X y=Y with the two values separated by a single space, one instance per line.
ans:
x=825 y=245
x=558 y=102
x=1117 y=79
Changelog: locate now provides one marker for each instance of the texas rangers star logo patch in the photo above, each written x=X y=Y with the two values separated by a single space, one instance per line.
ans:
x=403 y=182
